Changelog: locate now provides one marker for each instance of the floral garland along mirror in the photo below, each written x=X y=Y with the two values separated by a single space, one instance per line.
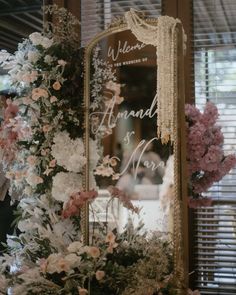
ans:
x=135 y=135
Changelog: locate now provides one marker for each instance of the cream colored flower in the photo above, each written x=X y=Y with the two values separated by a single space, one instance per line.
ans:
x=56 y=85
x=116 y=176
x=47 y=171
x=34 y=179
x=53 y=99
x=26 y=100
x=100 y=274
x=43 y=265
x=35 y=38
x=111 y=247
x=39 y=92
x=52 y=163
x=73 y=260
x=113 y=162
x=93 y=251
x=48 y=59
x=10 y=174
x=61 y=62
x=46 y=128
x=75 y=247
x=31 y=160
x=110 y=238
x=33 y=56
x=82 y=291
x=28 y=190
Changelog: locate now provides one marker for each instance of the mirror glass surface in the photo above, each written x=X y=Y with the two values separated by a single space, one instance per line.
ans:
x=123 y=115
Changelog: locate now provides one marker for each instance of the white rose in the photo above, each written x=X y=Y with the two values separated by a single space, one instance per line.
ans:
x=36 y=38
x=46 y=42
x=33 y=56
x=61 y=62
x=48 y=59
x=64 y=185
x=75 y=247
x=26 y=225
x=53 y=263
x=73 y=260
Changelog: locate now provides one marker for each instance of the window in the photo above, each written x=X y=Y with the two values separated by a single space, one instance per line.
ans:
x=215 y=80
x=97 y=14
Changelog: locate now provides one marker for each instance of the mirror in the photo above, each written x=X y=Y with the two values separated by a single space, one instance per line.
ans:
x=123 y=116
x=138 y=175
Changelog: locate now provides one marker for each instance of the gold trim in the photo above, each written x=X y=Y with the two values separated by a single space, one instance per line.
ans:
x=179 y=236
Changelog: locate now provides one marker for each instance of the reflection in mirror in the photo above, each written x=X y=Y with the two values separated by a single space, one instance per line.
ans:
x=134 y=167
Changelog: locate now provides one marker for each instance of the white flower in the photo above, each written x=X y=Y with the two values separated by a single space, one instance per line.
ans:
x=4 y=55
x=28 y=190
x=33 y=56
x=46 y=42
x=75 y=247
x=56 y=263
x=64 y=185
x=3 y=284
x=48 y=59
x=69 y=153
x=73 y=260
x=61 y=62
x=36 y=38
x=26 y=225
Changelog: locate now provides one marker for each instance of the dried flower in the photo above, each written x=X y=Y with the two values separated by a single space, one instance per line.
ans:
x=123 y=197
x=56 y=85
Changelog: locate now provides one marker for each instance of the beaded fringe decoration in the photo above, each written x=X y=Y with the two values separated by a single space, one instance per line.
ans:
x=164 y=38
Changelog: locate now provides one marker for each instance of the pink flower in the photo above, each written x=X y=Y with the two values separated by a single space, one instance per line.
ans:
x=39 y=92
x=93 y=251
x=205 y=156
x=192 y=112
x=123 y=197
x=212 y=158
x=77 y=201
x=200 y=202
x=210 y=114
x=10 y=111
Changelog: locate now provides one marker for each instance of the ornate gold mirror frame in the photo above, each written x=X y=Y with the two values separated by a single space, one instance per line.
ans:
x=173 y=131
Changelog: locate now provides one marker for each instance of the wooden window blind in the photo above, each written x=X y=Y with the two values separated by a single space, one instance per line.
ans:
x=96 y=15
x=215 y=80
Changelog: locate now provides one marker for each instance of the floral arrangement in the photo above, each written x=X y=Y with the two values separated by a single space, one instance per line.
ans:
x=44 y=157
x=205 y=156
